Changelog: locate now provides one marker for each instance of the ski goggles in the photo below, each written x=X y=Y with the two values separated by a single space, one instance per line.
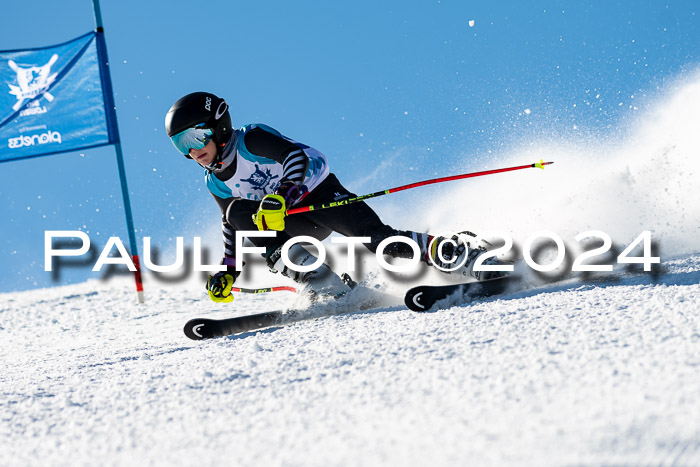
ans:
x=192 y=138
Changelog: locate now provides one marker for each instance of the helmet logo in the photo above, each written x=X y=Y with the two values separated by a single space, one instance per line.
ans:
x=208 y=104
x=221 y=110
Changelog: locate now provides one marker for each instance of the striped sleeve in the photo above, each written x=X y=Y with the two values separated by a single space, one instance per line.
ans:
x=294 y=166
x=229 y=240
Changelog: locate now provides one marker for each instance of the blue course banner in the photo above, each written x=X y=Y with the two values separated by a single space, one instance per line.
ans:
x=52 y=100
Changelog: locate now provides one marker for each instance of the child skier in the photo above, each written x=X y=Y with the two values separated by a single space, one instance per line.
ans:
x=256 y=174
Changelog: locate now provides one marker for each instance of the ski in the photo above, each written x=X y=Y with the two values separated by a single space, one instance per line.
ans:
x=207 y=328
x=204 y=328
x=423 y=297
x=419 y=298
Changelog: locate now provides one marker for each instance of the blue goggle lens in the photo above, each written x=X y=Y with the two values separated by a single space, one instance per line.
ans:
x=191 y=138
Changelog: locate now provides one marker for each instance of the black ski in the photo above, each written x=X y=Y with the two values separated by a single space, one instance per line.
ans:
x=203 y=328
x=423 y=297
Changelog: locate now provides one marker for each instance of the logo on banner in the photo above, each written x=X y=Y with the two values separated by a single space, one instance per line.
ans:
x=30 y=140
x=33 y=108
x=32 y=82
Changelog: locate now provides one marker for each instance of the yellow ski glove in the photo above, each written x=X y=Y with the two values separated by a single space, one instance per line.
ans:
x=219 y=287
x=271 y=213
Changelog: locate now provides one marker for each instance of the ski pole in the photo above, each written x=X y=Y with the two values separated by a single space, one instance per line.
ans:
x=357 y=199
x=264 y=290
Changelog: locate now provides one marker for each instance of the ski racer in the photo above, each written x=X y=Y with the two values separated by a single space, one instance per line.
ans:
x=256 y=174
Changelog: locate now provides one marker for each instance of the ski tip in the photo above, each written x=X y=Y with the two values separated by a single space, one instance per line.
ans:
x=194 y=329
x=413 y=300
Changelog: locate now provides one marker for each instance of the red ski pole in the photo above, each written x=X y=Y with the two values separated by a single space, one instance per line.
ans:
x=357 y=199
x=264 y=290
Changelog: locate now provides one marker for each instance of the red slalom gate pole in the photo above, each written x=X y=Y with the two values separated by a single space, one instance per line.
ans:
x=357 y=199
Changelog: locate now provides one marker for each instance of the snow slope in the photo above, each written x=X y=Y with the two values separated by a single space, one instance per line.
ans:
x=592 y=374
x=575 y=374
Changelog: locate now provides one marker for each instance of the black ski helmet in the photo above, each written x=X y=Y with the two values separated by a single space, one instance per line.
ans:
x=200 y=107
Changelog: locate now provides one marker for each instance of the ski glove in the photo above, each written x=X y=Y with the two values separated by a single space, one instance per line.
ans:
x=219 y=285
x=271 y=213
x=273 y=208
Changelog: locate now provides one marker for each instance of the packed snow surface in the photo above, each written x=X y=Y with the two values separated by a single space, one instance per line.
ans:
x=570 y=374
x=603 y=373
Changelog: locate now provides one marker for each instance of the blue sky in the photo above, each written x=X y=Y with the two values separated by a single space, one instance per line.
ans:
x=411 y=84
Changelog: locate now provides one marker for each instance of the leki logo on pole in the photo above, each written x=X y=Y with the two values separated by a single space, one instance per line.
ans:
x=32 y=82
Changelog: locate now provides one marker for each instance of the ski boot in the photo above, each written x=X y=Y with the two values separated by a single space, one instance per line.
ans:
x=322 y=281
x=459 y=254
